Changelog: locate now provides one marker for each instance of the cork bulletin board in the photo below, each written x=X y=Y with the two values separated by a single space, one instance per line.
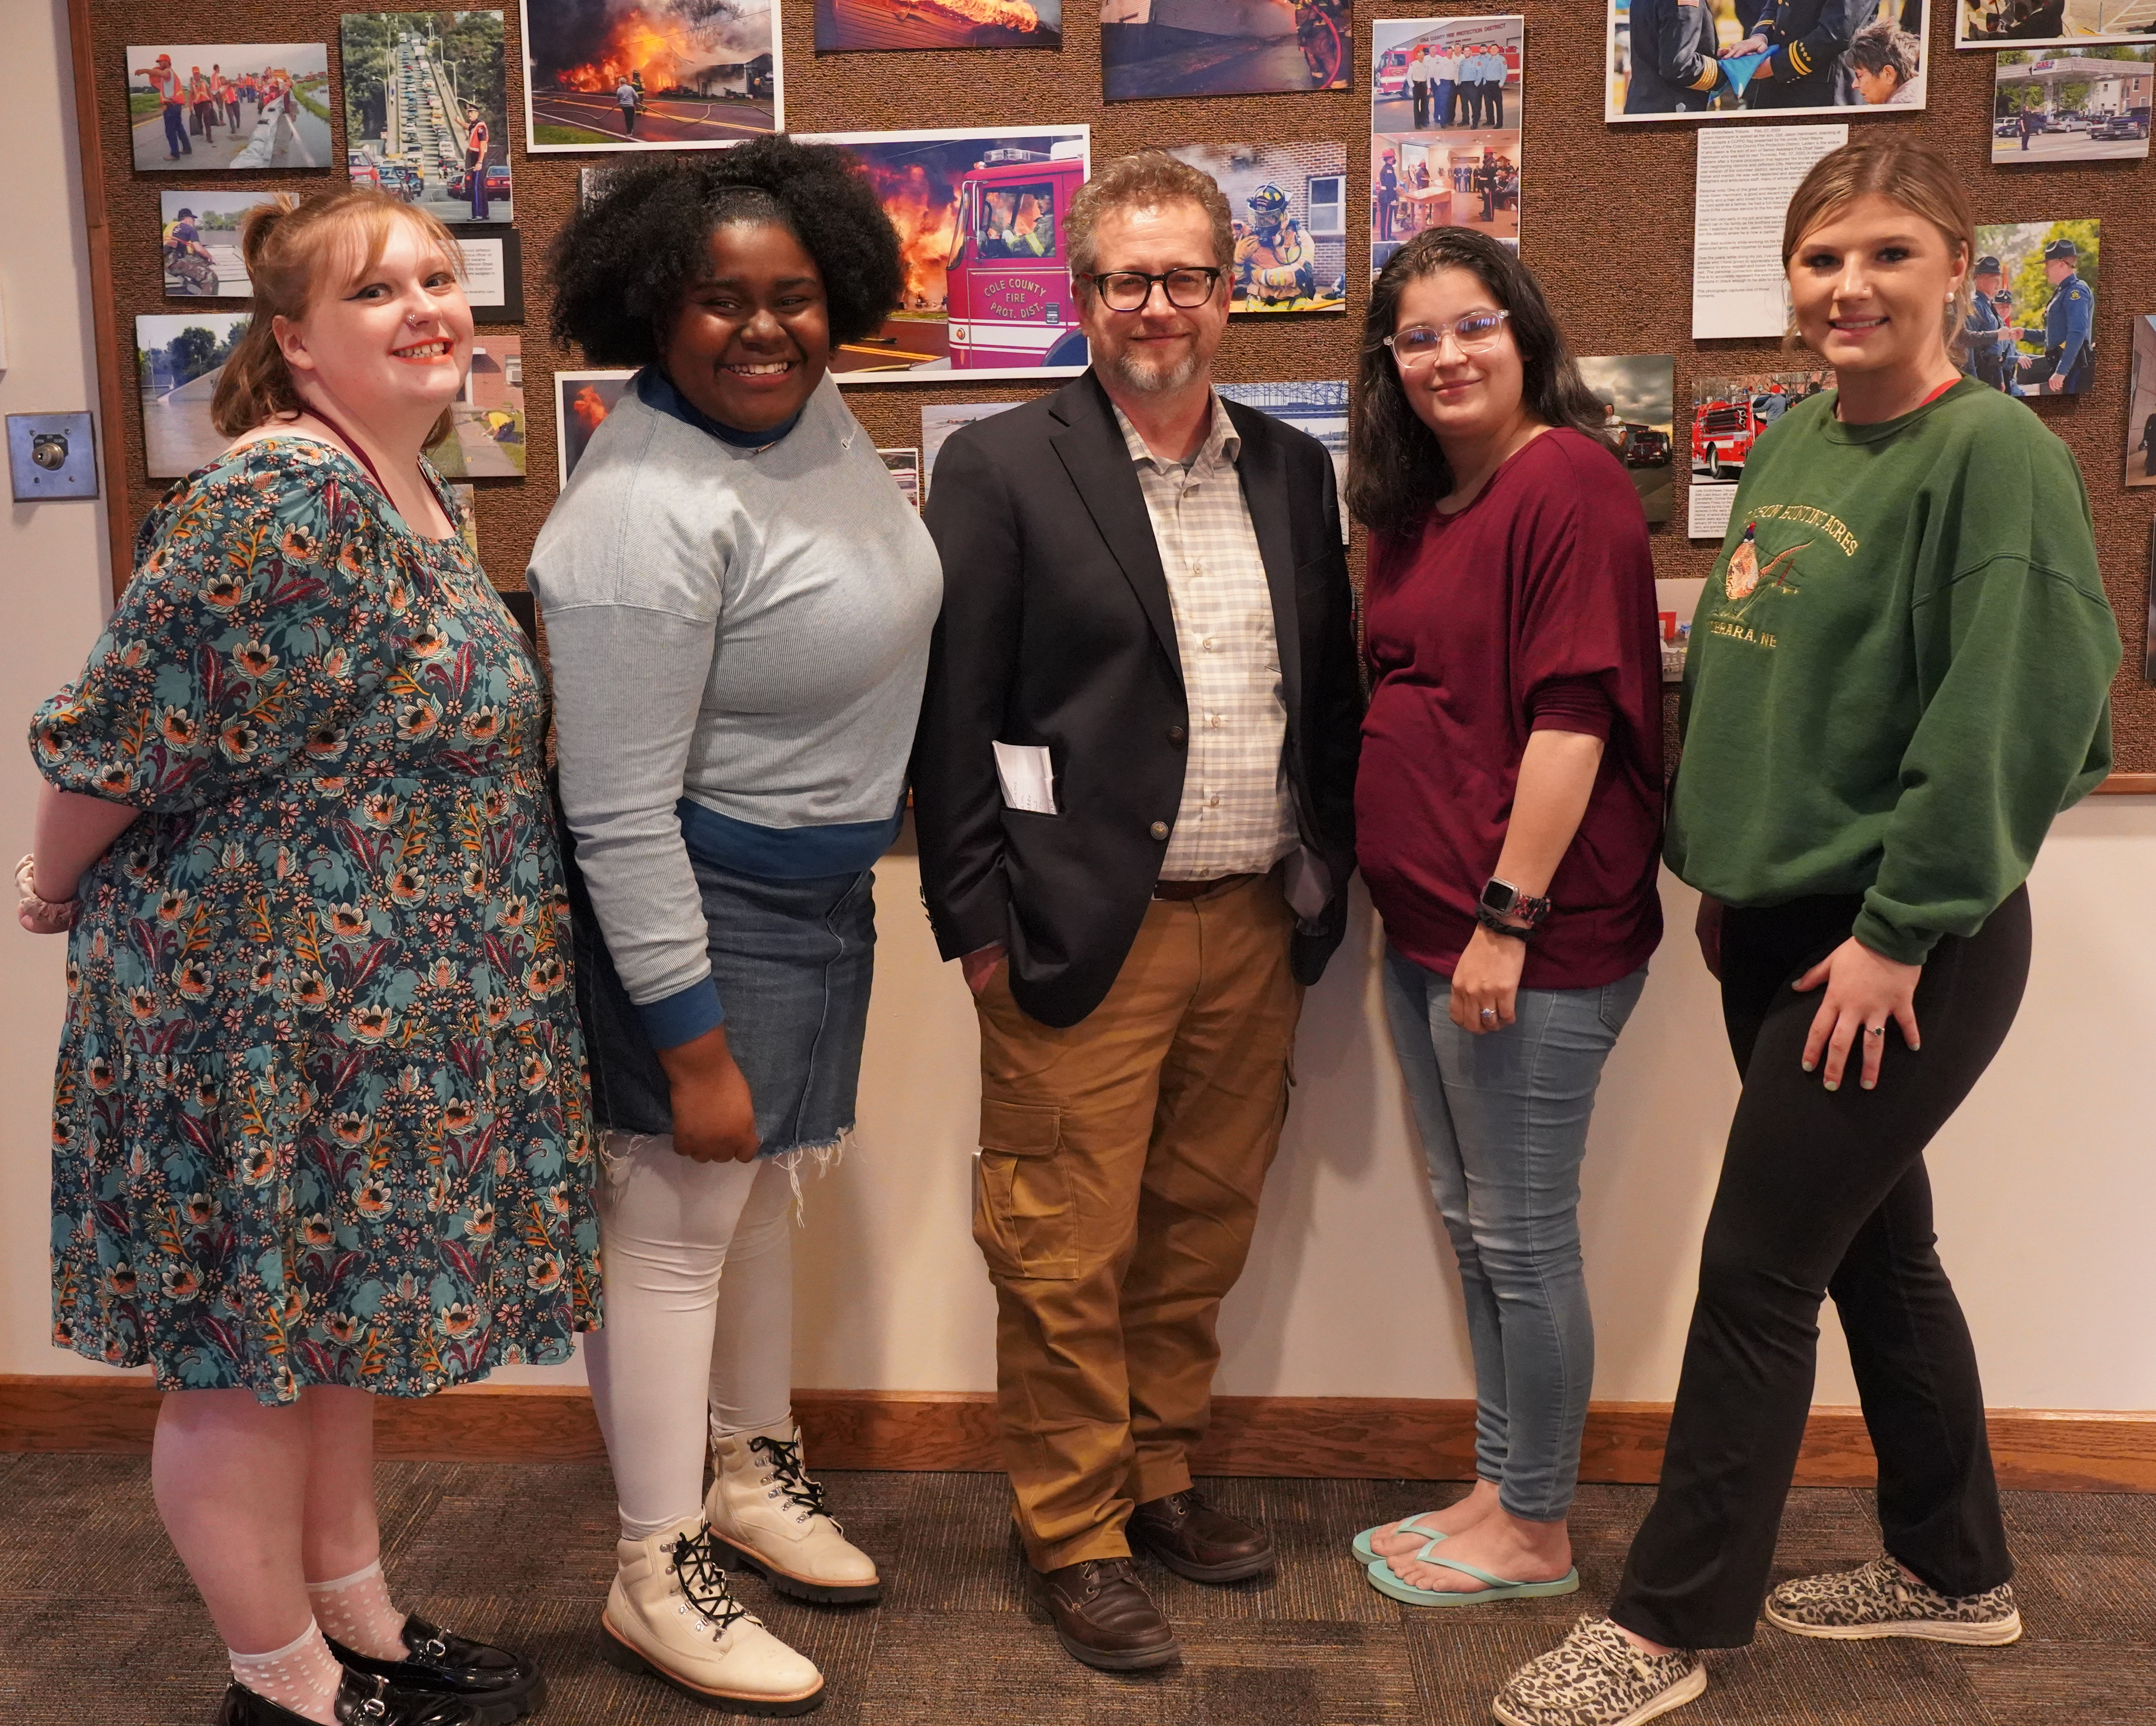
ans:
x=1606 y=224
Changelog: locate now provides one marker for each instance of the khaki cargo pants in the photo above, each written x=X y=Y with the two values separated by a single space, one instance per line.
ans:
x=1120 y=1165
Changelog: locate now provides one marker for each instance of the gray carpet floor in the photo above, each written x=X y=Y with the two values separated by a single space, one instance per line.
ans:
x=100 y=1627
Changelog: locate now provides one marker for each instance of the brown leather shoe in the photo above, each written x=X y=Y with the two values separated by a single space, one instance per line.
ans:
x=1198 y=1541
x=1104 y=1617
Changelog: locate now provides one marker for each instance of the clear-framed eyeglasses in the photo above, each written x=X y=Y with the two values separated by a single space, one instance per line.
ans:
x=1128 y=289
x=1418 y=345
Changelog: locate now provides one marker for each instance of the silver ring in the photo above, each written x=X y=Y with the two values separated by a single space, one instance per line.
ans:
x=1874 y=1030
x=1489 y=1015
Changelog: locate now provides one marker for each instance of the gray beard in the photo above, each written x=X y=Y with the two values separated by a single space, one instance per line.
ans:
x=1154 y=380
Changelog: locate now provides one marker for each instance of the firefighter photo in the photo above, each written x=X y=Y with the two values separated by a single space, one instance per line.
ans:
x=1276 y=261
x=1804 y=41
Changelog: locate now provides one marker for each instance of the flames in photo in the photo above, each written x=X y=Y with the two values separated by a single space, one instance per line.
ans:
x=981 y=221
x=857 y=24
x=667 y=43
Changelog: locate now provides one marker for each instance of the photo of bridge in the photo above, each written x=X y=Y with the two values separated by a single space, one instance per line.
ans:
x=426 y=110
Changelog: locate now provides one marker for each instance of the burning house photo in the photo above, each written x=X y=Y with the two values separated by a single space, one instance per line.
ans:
x=858 y=24
x=650 y=75
x=582 y=402
x=982 y=218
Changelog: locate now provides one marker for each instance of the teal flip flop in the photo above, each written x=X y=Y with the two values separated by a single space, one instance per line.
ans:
x=1368 y=1554
x=1386 y=1583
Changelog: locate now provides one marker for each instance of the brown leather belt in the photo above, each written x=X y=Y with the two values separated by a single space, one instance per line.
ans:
x=1179 y=891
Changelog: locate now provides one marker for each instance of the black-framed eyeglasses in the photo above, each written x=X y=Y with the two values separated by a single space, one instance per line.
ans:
x=1418 y=345
x=1128 y=289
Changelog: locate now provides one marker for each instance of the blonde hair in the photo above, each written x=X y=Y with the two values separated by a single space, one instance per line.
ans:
x=1145 y=180
x=295 y=250
x=1912 y=174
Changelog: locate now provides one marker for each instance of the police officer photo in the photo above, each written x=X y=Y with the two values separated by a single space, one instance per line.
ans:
x=1987 y=336
x=1676 y=64
x=1804 y=42
x=2069 y=328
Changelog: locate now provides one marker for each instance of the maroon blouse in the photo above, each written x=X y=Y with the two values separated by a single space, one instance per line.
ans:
x=1531 y=609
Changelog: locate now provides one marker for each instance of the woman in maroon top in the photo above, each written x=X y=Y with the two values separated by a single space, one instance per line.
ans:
x=1508 y=813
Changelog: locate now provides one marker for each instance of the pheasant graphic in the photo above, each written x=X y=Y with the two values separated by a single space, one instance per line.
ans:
x=1744 y=573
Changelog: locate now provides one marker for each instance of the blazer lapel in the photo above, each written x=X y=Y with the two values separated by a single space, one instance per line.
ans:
x=1091 y=449
x=1263 y=470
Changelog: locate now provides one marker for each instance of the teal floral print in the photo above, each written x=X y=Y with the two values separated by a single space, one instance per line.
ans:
x=321 y=1114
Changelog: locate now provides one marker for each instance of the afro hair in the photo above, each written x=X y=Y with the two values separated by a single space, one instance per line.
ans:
x=624 y=262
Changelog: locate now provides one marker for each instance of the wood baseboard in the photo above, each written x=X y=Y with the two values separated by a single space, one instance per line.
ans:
x=2129 y=785
x=1353 y=1437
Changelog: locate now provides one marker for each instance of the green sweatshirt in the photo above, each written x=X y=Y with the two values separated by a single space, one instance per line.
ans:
x=1900 y=669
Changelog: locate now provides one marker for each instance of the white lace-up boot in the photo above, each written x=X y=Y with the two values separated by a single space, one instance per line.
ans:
x=763 y=1506
x=670 y=1615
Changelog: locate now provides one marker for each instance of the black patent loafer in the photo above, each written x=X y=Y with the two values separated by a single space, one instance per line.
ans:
x=437 y=1662
x=362 y=1699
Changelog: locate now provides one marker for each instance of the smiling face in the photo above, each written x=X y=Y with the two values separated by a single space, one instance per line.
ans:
x=1464 y=398
x=1159 y=346
x=753 y=339
x=1871 y=284
x=391 y=340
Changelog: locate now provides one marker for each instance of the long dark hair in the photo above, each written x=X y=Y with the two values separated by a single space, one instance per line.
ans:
x=1396 y=468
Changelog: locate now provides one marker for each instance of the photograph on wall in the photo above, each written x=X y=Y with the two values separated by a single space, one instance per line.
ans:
x=2141 y=405
x=426 y=110
x=904 y=467
x=197 y=106
x=466 y=498
x=1290 y=204
x=939 y=420
x=1731 y=60
x=178 y=358
x=582 y=402
x=198 y=234
x=981 y=219
x=2149 y=636
x=1638 y=393
x=1223 y=48
x=2032 y=325
x=1728 y=413
x=855 y=25
x=1444 y=128
x=485 y=439
x=651 y=74
x=1319 y=409
x=2084 y=104
x=2044 y=24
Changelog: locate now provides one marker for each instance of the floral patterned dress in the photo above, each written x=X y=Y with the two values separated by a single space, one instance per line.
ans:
x=320 y=1116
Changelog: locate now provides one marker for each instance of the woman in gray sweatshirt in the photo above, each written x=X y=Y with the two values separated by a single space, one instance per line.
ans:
x=738 y=602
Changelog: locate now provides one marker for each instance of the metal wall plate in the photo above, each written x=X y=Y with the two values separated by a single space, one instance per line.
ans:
x=51 y=456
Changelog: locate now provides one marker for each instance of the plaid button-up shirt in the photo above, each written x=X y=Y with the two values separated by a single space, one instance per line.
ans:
x=1237 y=816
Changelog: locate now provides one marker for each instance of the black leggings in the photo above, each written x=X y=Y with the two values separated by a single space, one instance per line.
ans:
x=1825 y=1193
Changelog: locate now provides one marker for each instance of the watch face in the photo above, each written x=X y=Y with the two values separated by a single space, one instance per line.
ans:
x=1499 y=897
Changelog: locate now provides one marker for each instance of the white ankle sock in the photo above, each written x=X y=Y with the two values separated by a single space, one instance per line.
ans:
x=356 y=1611
x=302 y=1676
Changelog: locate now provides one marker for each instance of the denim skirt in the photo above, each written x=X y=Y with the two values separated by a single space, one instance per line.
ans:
x=793 y=961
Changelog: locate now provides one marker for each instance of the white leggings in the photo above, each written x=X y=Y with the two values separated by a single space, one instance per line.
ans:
x=671 y=1346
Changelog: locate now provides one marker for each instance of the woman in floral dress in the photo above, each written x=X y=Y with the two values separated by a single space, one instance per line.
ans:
x=320 y=1122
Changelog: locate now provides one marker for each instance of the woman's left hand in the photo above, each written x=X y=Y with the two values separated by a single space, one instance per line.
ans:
x=1864 y=989
x=1487 y=980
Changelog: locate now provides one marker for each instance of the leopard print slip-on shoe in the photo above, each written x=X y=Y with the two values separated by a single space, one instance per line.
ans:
x=1876 y=1599
x=1596 y=1678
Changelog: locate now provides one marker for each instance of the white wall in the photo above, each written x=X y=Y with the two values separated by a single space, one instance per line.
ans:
x=2046 y=1188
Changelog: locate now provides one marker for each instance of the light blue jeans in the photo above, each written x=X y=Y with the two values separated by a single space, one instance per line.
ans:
x=1503 y=1119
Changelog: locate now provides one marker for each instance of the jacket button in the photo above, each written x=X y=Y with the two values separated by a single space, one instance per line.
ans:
x=1176 y=734
x=1160 y=830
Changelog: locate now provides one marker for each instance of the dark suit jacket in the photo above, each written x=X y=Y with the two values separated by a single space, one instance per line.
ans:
x=1057 y=630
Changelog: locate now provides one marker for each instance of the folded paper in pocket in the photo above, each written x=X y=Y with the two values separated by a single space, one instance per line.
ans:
x=1028 y=780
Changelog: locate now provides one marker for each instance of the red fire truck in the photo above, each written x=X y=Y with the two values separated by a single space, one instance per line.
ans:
x=1008 y=282
x=1724 y=428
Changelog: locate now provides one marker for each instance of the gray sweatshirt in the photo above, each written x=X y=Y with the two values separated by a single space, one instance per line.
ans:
x=738 y=638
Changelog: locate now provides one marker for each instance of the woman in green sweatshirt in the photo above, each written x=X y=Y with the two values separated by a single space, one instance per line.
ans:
x=1897 y=677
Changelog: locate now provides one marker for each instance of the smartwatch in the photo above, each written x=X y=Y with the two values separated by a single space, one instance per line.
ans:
x=1502 y=899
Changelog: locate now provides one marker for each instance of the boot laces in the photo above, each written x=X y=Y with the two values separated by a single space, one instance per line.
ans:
x=784 y=1456
x=695 y=1558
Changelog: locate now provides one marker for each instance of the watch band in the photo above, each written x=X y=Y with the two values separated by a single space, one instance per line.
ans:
x=1497 y=926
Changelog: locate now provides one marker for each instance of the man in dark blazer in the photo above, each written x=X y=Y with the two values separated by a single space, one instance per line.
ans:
x=1134 y=794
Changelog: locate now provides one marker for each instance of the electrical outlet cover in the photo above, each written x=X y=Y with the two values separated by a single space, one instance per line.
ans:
x=67 y=436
